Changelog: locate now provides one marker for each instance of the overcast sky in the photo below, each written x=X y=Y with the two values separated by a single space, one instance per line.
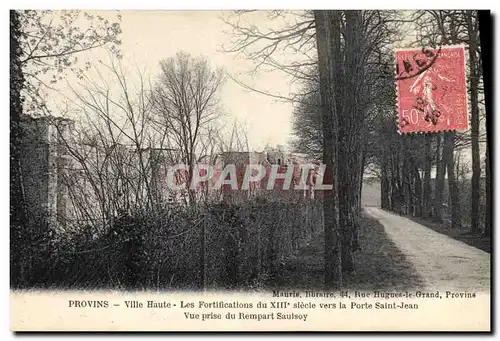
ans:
x=149 y=36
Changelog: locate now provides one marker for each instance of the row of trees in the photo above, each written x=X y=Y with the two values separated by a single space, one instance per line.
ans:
x=406 y=162
x=344 y=113
x=344 y=55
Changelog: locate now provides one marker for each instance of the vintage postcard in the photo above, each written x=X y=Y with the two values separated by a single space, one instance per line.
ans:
x=217 y=170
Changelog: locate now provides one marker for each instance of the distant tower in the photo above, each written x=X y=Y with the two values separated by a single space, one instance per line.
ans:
x=276 y=156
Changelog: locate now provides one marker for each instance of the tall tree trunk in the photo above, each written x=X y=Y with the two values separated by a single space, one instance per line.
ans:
x=361 y=183
x=484 y=19
x=439 y=181
x=397 y=198
x=427 y=189
x=202 y=265
x=474 y=88
x=18 y=216
x=487 y=213
x=405 y=176
x=328 y=44
x=417 y=201
x=350 y=118
x=454 y=195
x=384 y=183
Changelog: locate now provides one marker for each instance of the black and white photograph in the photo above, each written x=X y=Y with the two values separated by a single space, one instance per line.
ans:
x=300 y=163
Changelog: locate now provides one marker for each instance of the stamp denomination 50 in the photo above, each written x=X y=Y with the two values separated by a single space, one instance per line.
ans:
x=431 y=89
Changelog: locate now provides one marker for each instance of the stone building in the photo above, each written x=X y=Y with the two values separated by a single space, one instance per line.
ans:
x=60 y=188
x=267 y=158
x=61 y=176
x=44 y=161
x=276 y=156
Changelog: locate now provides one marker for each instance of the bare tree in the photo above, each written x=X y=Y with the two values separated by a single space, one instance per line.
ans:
x=292 y=32
x=185 y=103
x=484 y=19
x=114 y=144
x=51 y=43
x=472 y=26
x=42 y=43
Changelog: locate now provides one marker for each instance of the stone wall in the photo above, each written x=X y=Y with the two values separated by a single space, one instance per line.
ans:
x=57 y=188
x=44 y=160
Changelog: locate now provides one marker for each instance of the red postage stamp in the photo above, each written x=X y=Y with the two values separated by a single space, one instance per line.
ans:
x=431 y=89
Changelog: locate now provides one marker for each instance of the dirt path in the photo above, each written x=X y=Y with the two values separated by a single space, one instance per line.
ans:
x=442 y=262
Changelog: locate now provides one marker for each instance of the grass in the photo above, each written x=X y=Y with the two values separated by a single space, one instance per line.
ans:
x=476 y=240
x=379 y=264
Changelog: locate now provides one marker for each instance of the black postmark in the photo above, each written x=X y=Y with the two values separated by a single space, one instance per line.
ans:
x=412 y=68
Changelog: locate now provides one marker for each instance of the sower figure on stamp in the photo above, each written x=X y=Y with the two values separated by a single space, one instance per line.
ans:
x=429 y=85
